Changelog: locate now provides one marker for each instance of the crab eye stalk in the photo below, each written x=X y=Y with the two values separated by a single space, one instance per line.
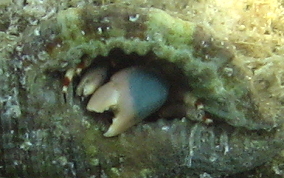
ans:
x=133 y=94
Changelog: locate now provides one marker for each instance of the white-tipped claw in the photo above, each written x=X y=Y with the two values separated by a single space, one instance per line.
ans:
x=91 y=81
x=113 y=96
x=120 y=124
x=104 y=98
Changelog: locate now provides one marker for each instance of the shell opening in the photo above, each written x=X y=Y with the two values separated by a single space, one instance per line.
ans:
x=178 y=83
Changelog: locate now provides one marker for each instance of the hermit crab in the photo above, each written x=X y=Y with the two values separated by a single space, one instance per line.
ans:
x=132 y=93
x=165 y=59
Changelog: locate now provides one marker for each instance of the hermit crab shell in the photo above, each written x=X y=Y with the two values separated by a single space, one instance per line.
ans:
x=96 y=31
x=230 y=93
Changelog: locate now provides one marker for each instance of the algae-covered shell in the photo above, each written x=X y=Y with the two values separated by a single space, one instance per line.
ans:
x=76 y=32
x=233 y=144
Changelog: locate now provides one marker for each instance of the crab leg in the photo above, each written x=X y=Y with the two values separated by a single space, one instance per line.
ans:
x=67 y=80
x=70 y=73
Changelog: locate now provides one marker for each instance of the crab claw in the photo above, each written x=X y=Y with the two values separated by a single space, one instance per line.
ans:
x=133 y=94
x=91 y=81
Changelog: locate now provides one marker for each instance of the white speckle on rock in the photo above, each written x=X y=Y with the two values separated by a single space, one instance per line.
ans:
x=26 y=145
x=36 y=32
x=165 y=128
x=100 y=31
x=134 y=18
x=105 y=20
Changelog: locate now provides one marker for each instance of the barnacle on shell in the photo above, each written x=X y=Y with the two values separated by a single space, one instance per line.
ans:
x=188 y=58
